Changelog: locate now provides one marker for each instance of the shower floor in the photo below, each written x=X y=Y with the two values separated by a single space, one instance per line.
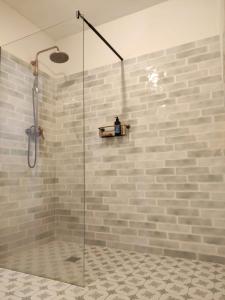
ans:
x=110 y=274
x=49 y=260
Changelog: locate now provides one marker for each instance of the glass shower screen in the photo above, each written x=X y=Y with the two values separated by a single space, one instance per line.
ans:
x=41 y=118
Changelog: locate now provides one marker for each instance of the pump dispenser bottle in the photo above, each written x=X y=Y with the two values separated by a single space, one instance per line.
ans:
x=117 y=127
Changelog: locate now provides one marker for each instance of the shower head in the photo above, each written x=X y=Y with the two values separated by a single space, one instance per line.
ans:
x=59 y=57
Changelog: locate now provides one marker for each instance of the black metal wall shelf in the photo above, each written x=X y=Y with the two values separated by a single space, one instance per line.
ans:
x=109 y=131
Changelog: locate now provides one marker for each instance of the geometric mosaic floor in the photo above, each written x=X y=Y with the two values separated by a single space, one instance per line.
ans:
x=49 y=260
x=113 y=274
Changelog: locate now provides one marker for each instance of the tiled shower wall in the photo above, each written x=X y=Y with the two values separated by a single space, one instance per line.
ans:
x=26 y=195
x=161 y=189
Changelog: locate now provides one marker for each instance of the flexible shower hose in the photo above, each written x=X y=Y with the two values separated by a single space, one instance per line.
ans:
x=33 y=131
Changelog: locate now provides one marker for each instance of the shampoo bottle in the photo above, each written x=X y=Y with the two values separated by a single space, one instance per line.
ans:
x=117 y=127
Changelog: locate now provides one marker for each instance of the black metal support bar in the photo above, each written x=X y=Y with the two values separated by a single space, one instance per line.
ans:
x=79 y=15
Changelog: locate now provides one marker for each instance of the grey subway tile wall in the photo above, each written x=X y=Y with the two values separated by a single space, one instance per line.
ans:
x=27 y=196
x=160 y=189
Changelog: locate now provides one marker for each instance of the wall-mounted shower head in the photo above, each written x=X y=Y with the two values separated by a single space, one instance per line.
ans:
x=57 y=57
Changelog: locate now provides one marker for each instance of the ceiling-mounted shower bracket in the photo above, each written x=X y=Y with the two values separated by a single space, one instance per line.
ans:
x=79 y=15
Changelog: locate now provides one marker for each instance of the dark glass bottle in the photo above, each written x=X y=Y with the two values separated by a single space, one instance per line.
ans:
x=117 y=127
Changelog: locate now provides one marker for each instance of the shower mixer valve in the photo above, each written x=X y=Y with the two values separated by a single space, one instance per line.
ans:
x=31 y=132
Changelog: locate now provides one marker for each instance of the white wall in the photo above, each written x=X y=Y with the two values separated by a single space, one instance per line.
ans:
x=162 y=26
x=13 y=26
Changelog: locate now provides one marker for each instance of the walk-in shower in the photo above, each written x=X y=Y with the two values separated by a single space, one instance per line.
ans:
x=35 y=131
x=98 y=208
x=46 y=226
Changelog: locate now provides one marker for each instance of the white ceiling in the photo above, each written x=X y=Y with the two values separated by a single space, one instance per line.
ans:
x=44 y=13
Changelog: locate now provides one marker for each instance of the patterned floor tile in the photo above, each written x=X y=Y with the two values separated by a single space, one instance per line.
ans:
x=177 y=289
x=118 y=297
x=146 y=294
x=116 y=277
x=220 y=286
x=219 y=296
x=48 y=260
x=135 y=280
x=13 y=297
x=203 y=283
x=199 y=293
x=75 y=291
x=25 y=292
x=44 y=295
x=127 y=290
x=154 y=285
x=110 y=274
x=172 y=296
x=96 y=294
x=220 y=276
x=109 y=286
